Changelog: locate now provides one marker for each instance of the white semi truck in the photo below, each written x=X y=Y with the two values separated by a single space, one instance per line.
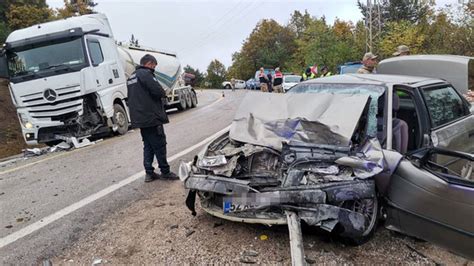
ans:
x=67 y=78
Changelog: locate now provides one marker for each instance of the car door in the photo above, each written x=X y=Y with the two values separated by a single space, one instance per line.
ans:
x=452 y=124
x=431 y=202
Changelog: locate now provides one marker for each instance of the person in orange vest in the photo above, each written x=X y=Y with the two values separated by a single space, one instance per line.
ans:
x=278 y=81
x=263 y=80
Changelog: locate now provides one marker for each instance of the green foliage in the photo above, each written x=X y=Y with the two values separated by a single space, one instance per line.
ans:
x=269 y=45
x=414 y=11
x=22 y=16
x=216 y=74
x=76 y=7
x=402 y=32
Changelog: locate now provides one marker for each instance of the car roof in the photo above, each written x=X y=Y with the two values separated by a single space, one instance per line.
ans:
x=377 y=79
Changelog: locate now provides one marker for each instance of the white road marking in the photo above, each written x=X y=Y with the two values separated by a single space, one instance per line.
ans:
x=75 y=206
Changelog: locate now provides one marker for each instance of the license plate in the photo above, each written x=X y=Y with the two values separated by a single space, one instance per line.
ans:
x=230 y=206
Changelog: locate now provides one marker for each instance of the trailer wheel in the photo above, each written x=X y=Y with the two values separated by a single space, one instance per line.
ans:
x=120 y=118
x=189 y=101
x=182 y=101
x=194 y=99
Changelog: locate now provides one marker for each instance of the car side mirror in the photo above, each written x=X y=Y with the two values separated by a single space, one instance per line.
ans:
x=3 y=65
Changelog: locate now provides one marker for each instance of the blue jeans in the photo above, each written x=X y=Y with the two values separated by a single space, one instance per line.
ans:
x=154 y=144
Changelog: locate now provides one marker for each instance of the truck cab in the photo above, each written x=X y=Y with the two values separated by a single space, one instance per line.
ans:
x=66 y=79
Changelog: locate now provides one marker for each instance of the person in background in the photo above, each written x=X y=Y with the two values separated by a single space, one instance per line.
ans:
x=269 y=84
x=147 y=112
x=263 y=80
x=232 y=83
x=307 y=74
x=369 y=62
x=277 y=81
x=325 y=72
x=314 y=70
x=402 y=50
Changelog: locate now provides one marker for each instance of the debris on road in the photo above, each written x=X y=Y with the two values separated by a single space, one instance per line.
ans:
x=189 y=232
x=97 y=261
x=174 y=226
x=250 y=253
x=263 y=237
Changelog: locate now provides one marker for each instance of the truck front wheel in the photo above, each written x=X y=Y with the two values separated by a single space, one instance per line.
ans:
x=120 y=119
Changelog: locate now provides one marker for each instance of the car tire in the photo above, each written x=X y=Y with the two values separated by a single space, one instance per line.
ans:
x=227 y=87
x=121 y=119
x=194 y=100
x=182 y=101
x=368 y=207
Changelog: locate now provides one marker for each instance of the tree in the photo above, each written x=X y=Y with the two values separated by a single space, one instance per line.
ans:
x=299 y=22
x=402 y=32
x=269 y=45
x=76 y=7
x=414 y=11
x=22 y=16
x=216 y=73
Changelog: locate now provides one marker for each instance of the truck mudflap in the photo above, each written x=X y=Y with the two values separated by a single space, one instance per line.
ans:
x=318 y=205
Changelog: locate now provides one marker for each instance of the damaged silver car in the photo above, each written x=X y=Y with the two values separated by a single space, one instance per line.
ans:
x=334 y=151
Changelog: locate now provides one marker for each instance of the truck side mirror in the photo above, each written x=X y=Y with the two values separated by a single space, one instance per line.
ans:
x=3 y=65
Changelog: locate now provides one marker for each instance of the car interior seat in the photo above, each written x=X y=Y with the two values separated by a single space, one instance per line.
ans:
x=399 y=126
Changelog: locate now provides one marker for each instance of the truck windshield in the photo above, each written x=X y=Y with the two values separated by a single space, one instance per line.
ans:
x=46 y=60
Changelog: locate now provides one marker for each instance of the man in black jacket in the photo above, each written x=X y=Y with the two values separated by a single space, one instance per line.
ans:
x=147 y=112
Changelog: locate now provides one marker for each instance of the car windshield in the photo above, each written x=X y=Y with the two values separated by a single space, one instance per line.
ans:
x=374 y=91
x=46 y=58
x=292 y=79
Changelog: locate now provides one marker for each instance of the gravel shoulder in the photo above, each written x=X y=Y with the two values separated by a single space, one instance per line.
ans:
x=160 y=229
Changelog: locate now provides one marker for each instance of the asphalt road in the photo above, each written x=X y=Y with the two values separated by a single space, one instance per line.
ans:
x=39 y=197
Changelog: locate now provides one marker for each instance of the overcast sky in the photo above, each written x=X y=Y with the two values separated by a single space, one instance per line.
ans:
x=200 y=31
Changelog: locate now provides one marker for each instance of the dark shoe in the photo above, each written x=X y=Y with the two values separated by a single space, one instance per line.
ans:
x=151 y=177
x=170 y=176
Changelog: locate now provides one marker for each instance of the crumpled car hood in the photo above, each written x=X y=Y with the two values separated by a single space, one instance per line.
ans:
x=268 y=119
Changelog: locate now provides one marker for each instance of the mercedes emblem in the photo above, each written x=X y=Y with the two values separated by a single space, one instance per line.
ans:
x=50 y=95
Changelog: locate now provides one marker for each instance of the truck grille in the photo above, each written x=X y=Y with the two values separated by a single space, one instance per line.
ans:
x=68 y=100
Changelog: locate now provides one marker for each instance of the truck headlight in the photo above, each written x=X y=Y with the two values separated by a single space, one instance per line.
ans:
x=23 y=119
x=28 y=125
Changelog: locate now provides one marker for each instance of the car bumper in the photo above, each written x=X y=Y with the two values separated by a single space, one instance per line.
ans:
x=317 y=205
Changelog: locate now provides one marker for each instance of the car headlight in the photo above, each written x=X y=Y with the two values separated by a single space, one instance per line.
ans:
x=184 y=170
x=210 y=161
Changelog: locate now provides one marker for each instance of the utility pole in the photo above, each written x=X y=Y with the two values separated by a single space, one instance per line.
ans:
x=373 y=24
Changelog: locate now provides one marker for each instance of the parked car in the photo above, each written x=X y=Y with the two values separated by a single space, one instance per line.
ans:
x=349 y=67
x=239 y=84
x=290 y=81
x=329 y=155
x=251 y=84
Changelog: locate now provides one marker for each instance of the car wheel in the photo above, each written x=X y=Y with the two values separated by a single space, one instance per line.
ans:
x=194 y=100
x=228 y=87
x=121 y=120
x=370 y=209
x=182 y=101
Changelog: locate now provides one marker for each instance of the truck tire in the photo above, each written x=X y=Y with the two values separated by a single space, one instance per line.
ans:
x=194 y=99
x=189 y=102
x=182 y=101
x=121 y=120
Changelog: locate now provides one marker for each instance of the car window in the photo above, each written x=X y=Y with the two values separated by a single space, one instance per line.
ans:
x=95 y=52
x=444 y=105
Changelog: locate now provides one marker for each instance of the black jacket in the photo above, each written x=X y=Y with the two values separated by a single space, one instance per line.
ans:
x=146 y=99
